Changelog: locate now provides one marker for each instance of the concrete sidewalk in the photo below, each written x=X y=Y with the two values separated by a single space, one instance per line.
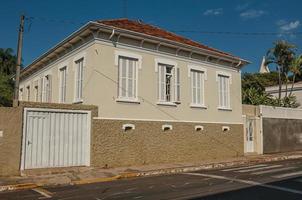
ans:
x=84 y=175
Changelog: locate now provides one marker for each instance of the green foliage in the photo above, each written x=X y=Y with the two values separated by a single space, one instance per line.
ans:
x=281 y=55
x=255 y=96
x=290 y=102
x=6 y=90
x=7 y=69
x=259 y=81
x=253 y=91
x=7 y=61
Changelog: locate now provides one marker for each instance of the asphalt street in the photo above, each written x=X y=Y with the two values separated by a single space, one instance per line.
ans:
x=275 y=180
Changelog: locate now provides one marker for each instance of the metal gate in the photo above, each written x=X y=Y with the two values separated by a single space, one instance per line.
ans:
x=55 y=138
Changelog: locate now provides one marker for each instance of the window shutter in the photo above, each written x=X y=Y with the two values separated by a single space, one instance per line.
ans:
x=177 y=85
x=162 y=83
x=49 y=92
x=130 y=79
x=41 y=89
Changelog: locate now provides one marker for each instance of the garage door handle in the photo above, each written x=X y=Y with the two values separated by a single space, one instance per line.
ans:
x=29 y=142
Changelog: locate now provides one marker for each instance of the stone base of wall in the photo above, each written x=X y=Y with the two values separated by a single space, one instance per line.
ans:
x=149 y=144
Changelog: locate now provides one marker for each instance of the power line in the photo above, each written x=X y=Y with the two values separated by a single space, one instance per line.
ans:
x=238 y=33
x=230 y=33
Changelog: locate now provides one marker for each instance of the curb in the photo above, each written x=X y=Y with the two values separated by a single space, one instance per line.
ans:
x=18 y=187
x=157 y=172
x=96 y=180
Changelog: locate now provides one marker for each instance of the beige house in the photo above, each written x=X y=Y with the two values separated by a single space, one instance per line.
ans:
x=137 y=75
x=140 y=74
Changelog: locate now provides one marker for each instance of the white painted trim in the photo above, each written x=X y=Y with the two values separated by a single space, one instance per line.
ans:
x=74 y=67
x=125 y=126
x=60 y=82
x=261 y=129
x=120 y=98
x=170 y=56
x=127 y=54
x=225 y=128
x=165 y=103
x=164 y=61
x=62 y=65
x=192 y=105
x=224 y=108
x=203 y=78
x=163 y=120
x=222 y=73
x=197 y=68
x=125 y=100
x=198 y=127
x=167 y=126
x=62 y=59
x=22 y=166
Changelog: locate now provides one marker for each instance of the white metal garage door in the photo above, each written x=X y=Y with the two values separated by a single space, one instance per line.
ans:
x=55 y=138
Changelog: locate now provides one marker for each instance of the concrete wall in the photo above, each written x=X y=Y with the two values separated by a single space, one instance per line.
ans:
x=282 y=129
x=149 y=144
x=101 y=77
x=282 y=135
x=10 y=141
x=277 y=129
x=11 y=123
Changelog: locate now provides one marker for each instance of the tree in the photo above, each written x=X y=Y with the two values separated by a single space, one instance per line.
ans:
x=6 y=90
x=253 y=90
x=281 y=55
x=295 y=68
x=7 y=61
x=7 y=70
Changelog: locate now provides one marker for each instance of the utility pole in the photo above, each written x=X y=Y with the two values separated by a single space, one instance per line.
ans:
x=19 y=58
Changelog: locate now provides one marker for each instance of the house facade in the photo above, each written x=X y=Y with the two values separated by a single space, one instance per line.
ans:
x=144 y=79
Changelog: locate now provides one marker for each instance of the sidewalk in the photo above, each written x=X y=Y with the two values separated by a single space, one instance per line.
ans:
x=84 y=175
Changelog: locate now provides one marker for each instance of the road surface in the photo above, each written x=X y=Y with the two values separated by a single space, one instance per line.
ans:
x=275 y=180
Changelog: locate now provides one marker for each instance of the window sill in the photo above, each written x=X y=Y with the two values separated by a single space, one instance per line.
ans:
x=224 y=109
x=78 y=101
x=166 y=104
x=128 y=100
x=198 y=106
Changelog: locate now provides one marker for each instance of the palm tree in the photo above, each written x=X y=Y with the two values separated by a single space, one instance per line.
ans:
x=281 y=55
x=295 y=67
x=7 y=61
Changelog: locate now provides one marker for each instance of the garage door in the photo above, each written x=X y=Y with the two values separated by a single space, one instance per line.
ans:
x=55 y=138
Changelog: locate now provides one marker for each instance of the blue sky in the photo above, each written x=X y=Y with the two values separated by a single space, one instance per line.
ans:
x=54 y=20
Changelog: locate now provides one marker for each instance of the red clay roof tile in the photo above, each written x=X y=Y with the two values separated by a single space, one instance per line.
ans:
x=140 y=27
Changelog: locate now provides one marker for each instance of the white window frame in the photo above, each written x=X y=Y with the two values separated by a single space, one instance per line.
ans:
x=202 y=70
x=46 y=88
x=175 y=98
x=229 y=78
x=36 y=90
x=21 y=91
x=79 y=78
x=133 y=56
x=28 y=92
x=61 y=70
x=134 y=86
